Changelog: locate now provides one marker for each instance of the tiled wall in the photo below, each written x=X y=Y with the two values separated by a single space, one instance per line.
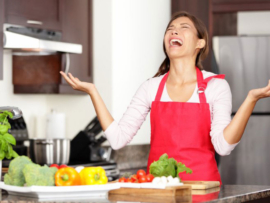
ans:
x=131 y=156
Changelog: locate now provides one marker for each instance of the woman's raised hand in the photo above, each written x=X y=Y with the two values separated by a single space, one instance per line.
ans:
x=103 y=114
x=76 y=84
x=260 y=93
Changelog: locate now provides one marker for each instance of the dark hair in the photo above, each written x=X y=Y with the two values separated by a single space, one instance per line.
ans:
x=201 y=33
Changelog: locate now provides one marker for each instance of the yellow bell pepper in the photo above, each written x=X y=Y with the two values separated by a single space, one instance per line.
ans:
x=93 y=176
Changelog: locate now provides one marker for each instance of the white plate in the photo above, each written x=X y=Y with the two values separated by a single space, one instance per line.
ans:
x=53 y=192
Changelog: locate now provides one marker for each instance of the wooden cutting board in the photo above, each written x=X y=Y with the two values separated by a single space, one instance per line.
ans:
x=201 y=185
x=152 y=198
x=205 y=192
x=183 y=190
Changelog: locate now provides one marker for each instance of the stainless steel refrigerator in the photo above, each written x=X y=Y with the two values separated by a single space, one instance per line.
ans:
x=245 y=60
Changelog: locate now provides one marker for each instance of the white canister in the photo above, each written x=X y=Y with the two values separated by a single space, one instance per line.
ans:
x=56 y=125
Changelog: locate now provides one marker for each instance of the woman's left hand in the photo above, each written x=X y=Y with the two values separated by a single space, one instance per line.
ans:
x=260 y=93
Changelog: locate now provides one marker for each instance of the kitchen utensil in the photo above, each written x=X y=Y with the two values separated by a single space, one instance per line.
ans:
x=86 y=147
x=161 y=192
x=50 y=151
x=202 y=185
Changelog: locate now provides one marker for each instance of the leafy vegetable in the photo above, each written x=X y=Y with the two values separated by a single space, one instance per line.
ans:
x=39 y=175
x=166 y=166
x=6 y=139
x=15 y=171
x=23 y=171
x=182 y=168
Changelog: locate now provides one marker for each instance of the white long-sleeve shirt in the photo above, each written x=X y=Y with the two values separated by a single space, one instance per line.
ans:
x=218 y=95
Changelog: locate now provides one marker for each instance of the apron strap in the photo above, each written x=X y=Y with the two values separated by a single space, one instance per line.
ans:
x=202 y=84
x=161 y=87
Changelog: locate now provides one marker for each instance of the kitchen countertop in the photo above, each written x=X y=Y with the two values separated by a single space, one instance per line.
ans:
x=225 y=194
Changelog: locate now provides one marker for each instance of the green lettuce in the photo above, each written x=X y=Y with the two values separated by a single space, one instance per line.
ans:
x=166 y=166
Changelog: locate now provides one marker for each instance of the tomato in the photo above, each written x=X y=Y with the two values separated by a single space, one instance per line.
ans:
x=134 y=177
x=142 y=179
x=122 y=180
x=129 y=180
x=149 y=177
x=54 y=165
x=63 y=166
x=140 y=173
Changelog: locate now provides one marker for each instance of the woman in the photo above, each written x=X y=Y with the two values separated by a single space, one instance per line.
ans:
x=190 y=108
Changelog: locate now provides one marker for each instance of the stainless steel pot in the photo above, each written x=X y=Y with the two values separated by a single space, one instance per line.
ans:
x=50 y=151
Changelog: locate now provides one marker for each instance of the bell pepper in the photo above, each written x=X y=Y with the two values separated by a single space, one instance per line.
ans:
x=67 y=177
x=93 y=176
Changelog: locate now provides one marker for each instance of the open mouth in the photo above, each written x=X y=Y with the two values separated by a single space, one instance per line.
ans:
x=176 y=42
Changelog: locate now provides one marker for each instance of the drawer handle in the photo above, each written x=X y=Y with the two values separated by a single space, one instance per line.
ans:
x=34 y=22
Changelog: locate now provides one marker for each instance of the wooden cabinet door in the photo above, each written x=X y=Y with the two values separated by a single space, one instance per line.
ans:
x=46 y=14
x=2 y=20
x=77 y=28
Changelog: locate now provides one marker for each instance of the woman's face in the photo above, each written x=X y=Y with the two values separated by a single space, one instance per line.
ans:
x=181 y=39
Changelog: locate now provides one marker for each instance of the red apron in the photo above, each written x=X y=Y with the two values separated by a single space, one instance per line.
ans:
x=182 y=130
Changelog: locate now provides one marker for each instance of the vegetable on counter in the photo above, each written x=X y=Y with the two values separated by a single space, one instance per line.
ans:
x=149 y=177
x=139 y=177
x=57 y=166
x=167 y=167
x=67 y=176
x=22 y=171
x=122 y=180
x=39 y=175
x=6 y=139
x=15 y=172
x=93 y=176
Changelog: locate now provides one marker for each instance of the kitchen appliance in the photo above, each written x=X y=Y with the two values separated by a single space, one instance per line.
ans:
x=86 y=147
x=16 y=112
x=246 y=63
x=86 y=150
x=37 y=39
x=50 y=151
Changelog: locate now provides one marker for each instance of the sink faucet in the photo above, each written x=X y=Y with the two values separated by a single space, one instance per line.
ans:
x=16 y=112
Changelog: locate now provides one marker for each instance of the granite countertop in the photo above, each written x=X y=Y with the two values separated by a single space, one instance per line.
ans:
x=224 y=194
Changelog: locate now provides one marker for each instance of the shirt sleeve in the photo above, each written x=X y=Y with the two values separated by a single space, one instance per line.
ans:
x=221 y=116
x=121 y=133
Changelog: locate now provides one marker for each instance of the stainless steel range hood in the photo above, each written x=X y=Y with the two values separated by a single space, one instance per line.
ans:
x=33 y=39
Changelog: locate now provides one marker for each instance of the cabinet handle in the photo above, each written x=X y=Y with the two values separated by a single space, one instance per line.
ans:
x=34 y=22
x=67 y=63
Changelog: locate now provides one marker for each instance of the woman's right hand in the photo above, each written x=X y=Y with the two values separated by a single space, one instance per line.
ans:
x=76 y=84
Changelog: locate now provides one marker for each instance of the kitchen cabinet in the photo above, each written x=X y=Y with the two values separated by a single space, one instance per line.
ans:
x=77 y=28
x=40 y=74
x=35 y=13
x=219 y=16
x=2 y=15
